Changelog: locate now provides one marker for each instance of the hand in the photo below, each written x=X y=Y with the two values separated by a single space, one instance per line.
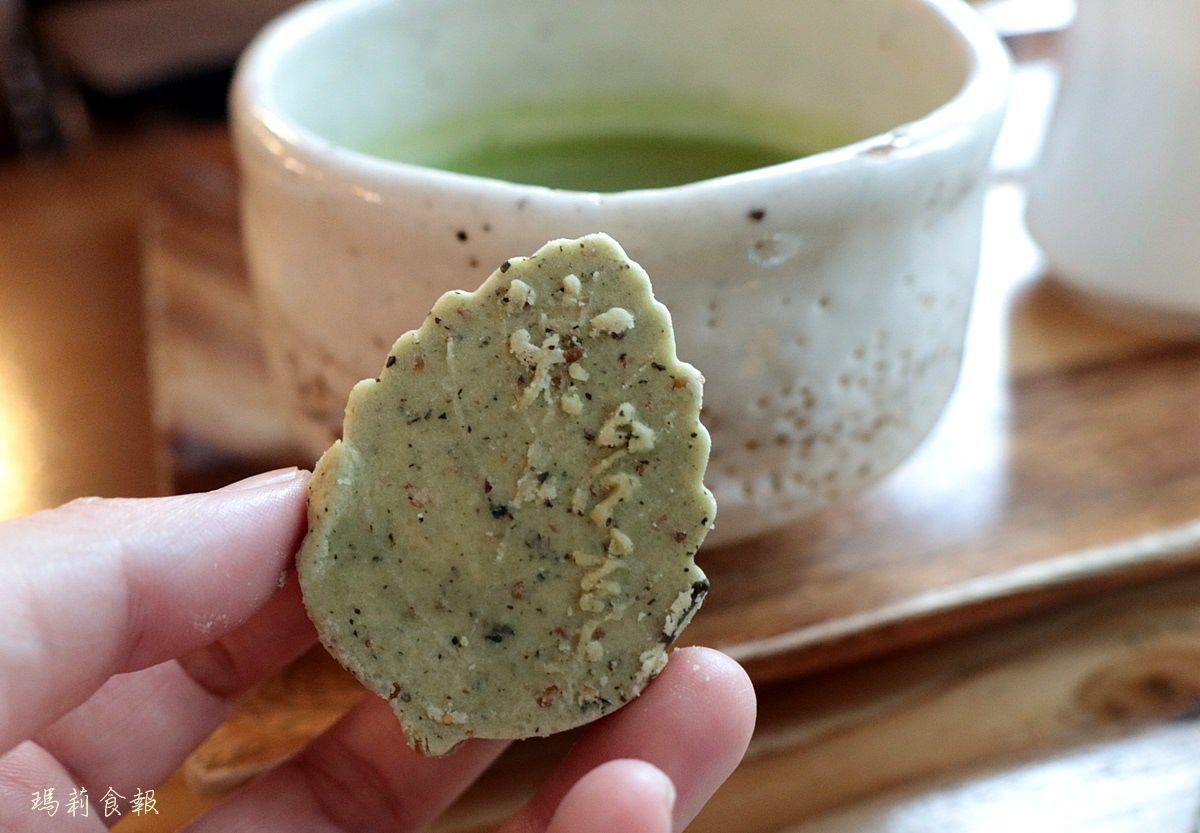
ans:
x=127 y=627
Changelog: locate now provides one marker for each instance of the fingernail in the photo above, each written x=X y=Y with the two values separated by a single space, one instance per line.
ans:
x=259 y=481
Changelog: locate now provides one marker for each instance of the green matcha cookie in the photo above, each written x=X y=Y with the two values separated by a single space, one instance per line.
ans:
x=502 y=543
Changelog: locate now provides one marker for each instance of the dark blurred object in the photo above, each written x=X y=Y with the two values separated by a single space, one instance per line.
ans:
x=65 y=62
x=159 y=55
x=29 y=122
x=201 y=95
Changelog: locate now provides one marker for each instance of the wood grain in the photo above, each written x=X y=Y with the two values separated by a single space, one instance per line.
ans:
x=1010 y=693
x=1060 y=695
x=1000 y=697
x=1147 y=782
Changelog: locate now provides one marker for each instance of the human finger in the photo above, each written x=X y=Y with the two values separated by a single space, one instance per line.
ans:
x=100 y=587
x=139 y=727
x=360 y=775
x=693 y=723
x=27 y=771
x=627 y=795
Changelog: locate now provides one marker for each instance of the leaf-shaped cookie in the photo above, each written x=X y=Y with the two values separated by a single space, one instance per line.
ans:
x=503 y=542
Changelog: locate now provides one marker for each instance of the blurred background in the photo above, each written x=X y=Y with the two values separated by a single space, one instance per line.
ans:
x=69 y=67
x=1004 y=634
x=72 y=66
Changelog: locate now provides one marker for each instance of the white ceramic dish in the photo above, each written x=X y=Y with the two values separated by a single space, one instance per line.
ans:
x=825 y=299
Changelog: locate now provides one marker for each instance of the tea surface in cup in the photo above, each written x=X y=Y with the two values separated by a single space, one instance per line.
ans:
x=613 y=144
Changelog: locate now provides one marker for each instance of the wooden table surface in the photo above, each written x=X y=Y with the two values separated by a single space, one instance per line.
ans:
x=1079 y=718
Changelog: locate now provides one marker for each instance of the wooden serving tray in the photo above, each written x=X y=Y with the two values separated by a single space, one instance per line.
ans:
x=1066 y=464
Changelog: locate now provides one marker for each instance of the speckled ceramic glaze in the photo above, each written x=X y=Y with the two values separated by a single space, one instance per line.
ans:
x=824 y=299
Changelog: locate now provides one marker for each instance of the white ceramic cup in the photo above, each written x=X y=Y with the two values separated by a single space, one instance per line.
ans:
x=824 y=299
x=1115 y=200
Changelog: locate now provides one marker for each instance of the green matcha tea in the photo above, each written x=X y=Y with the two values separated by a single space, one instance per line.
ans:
x=615 y=162
x=612 y=144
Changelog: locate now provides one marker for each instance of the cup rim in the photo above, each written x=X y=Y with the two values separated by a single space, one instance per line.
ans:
x=252 y=105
